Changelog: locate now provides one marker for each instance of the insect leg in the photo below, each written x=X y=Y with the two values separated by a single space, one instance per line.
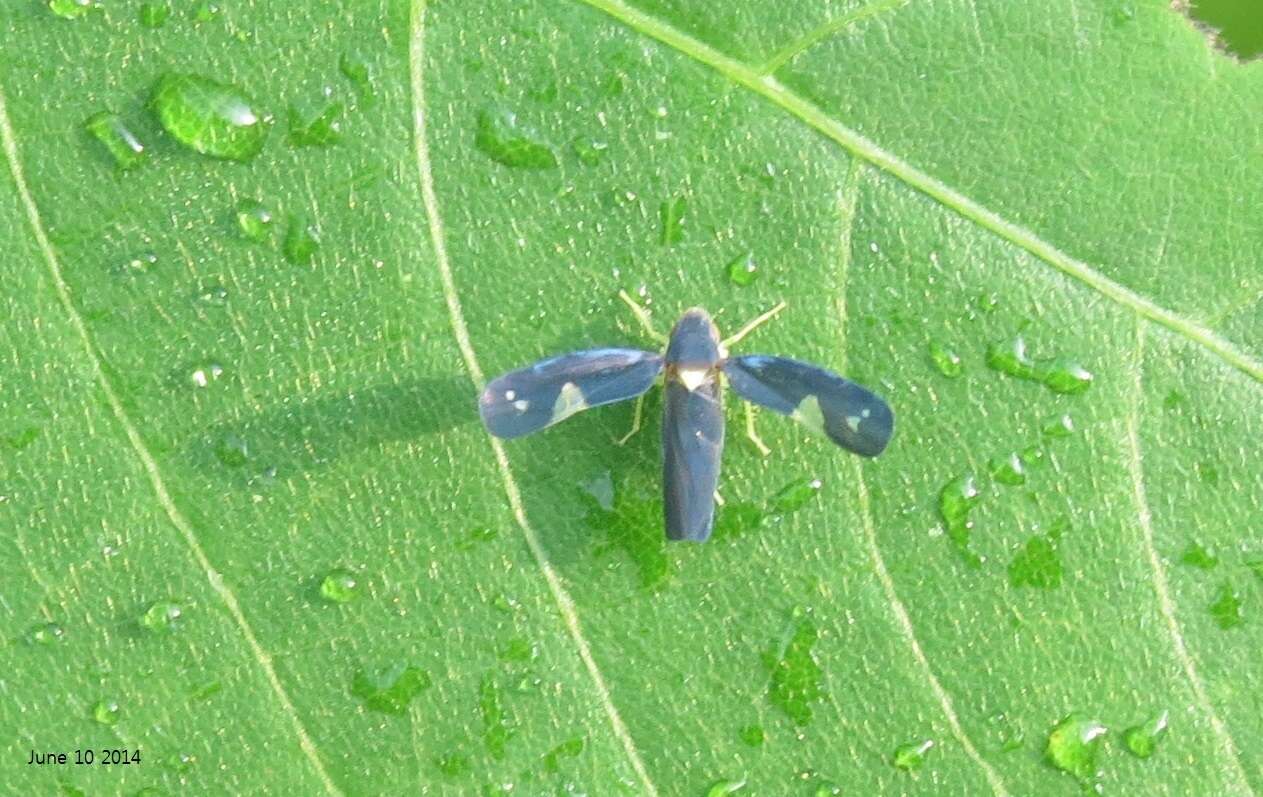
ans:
x=753 y=435
x=750 y=327
x=642 y=315
x=636 y=413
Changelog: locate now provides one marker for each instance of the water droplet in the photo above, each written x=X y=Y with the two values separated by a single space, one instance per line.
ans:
x=339 y=586
x=571 y=748
x=119 y=141
x=795 y=495
x=209 y=117
x=254 y=221
x=180 y=763
x=1009 y=470
x=162 y=616
x=302 y=241
x=1208 y=473
x=911 y=756
x=1036 y=565
x=601 y=488
x=736 y=518
x=22 y=437
x=1059 y=375
x=105 y=712
x=742 y=270
x=1007 y=734
x=1226 y=609
x=518 y=650
x=154 y=15
x=232 y=450
x=1141 y=740
x=139 y=264
x=321 y=130
x=955 y=501
x=1073 y=745
x=1058 y=427
x=946 y=361
x=213 y=296
x=1255 y=566
x=476 y=536
x=496 y=727
x=753 y=735
x=206 y=690
x=45 y=634
x=797 y=680
x=70 y=9
x=454 y=765
x=1123 y=13
x=501 y=138
x=390 y=690
x=204 y=375
x=722 y=787
x=671 y=214
x=1197 y=556
x=589 y=151
x=205 y=11
x=355 y=69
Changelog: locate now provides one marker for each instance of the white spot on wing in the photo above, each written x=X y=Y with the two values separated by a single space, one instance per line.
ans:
x=853 y=421
x=569 y=401
x=521 y=405
x=509 y=395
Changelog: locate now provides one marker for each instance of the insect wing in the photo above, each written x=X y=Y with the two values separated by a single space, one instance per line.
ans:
x=850 y=415
x=692 y=442
x=532 y=398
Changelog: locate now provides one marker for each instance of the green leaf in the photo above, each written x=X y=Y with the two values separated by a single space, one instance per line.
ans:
x=255 y=531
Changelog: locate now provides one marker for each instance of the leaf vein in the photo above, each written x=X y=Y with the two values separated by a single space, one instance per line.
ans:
x=8 y=143
x=847 y=198
x=1166 y=606
x=460 y=330
x=826 y=29
x=859 y=146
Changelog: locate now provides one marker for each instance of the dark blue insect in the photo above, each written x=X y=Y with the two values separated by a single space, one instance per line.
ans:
x=695 y=365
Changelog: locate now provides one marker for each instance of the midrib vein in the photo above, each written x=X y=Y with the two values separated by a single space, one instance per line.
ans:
x=8 y=142
x=1166 y=606
x=847 y=199
x=565 y=604
x=815 y=117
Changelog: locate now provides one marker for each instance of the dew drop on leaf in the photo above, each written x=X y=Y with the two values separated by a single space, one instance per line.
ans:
x=753 y=735
x=106 y=712
x=210 y=117
x=254 y=221
x=946 y=361
x=518 y=650
x=1008 y=470
x=501 y=138
x=45 y=634
x=911 y=756
x=70 y=9
x=231 y=450
x=955 y=501
x=339 y=586
x=212 y=296
x=139 y=264
x=1141 y=740
x=22 y=438
x=454 y=765
x=302 y=240
x=205 y=11
x=322 y=129
x=1036 y=565
x=589 y=151
x=1058 y=427
x=390 y=690
x=742 y=270
x=795 y=495
x=1060 y=375
x=162 y=616
x=154 y=15
x=1073 y=745
x=1197 y=556
x=723 y=787
x=496 y=726
x=571 y=748
x=1226 y=609
x=797 y=680
x=202 y=375
x=117 y=139
x=355 y=69
x=671 y=215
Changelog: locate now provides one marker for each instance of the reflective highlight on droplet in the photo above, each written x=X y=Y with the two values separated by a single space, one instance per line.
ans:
x=117 y=139
x=210 y=117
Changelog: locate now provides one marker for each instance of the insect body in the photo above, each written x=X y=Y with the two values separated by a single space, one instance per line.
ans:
x=694 y=367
